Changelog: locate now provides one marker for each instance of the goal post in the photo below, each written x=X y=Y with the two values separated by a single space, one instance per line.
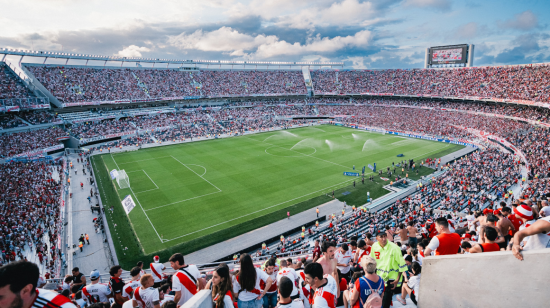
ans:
x=122 y=179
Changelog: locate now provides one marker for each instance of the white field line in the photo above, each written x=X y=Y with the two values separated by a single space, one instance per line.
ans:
x=196 y=173
x=221 y=223
x=199 y=166
x=316 y=128
x=150 y=178
x=158 y=207
x=301 y=153
x=130 y=162
x=139 y=192
x=269 y=137
x=139 y=203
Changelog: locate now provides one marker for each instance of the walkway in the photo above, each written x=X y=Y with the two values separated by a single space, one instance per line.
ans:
x=255 y=237
x=95 y=255
x=462 y=152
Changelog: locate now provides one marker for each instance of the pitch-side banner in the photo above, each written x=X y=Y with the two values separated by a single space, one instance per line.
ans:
x=114 y=174
x=128 y=204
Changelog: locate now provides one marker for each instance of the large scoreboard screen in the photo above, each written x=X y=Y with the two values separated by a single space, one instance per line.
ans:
x=448 y=54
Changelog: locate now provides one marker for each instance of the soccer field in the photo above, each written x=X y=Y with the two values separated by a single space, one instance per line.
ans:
x=188 y=191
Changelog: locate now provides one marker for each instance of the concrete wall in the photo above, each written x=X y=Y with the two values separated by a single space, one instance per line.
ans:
x=494 y=279
x=203 y=299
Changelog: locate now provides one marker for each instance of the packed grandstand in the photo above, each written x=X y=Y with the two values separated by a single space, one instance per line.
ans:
x=120 y=108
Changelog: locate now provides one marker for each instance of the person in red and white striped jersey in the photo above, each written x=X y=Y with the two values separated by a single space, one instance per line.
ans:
x=286 y=287
x=250 y=294
x=185 y=282
x=146 y=296
x=156 y=271
x=18 y=288
x=130 y=286
x=96 y=292
x=324 y=290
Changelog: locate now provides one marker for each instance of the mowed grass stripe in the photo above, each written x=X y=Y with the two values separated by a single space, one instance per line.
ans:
x=250 y=180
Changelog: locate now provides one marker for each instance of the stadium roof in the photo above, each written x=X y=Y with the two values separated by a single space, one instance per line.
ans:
x=78 y=56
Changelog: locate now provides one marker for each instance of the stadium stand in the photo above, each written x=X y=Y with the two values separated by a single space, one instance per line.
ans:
x=10 y=86
x=468 y=192
x=529 y=82
x=77 y=84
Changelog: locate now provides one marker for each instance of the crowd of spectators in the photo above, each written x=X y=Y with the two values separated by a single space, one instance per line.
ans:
x=470 y=205
x=10 y=121
x=70 y=84
x=521 y=82
x=21 y=142
x=10 y=86
x=38 y=117
x=30 y=200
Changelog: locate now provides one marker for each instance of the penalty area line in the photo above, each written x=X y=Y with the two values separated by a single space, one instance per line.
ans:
x=135 y=196
x=221 y=223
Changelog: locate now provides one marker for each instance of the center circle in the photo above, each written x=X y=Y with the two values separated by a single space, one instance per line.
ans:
x=283 y=152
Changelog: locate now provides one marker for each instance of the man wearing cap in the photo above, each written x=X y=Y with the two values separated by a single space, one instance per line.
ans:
x=446 y=243
x=96 y=292
x=389 y=265
x=525 y=213
x=156 y=270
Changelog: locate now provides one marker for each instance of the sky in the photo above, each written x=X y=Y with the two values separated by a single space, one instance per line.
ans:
x=363 y=34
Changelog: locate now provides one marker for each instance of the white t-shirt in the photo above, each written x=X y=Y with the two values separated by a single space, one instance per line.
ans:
x=245 y=295
x=157 y=268
x=546 y=211
x=96 y=293
x=187 y=285
x=146 y=298
x=343 y=258
x=538 y=241
x=525 y=225
x=325 y=295
x=273 y=277
x=128 y=289
x=47 y=299
x=297 y=303
x=227 y=301
x=414 y=284
x=470 y=219
x=292 y=275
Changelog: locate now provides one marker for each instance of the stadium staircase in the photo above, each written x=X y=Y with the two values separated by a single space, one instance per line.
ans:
x=308 y=81
x=141 y=85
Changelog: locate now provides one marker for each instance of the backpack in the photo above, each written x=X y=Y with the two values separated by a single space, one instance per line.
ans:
x=374 y=300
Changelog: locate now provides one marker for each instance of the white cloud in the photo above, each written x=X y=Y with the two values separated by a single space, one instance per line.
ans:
x=225 y=39
x=357 y=62
x=132 y=51
x=314 y=45
x=523 y=21
x=234 y=43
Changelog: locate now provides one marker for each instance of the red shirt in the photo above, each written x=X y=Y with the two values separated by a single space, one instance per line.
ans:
x=486 y=247
x=445 y=244
x=343 y=284
x=316 y=252
x=516 y=222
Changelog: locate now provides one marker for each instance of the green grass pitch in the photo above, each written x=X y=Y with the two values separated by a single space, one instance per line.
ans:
x=197 y=193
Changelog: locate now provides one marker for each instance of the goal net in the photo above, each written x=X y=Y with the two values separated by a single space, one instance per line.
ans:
x=122 y=179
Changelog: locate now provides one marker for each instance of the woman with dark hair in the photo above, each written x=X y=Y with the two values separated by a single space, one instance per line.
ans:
x=248 y=280
x=222 y=295
x=412 y=286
